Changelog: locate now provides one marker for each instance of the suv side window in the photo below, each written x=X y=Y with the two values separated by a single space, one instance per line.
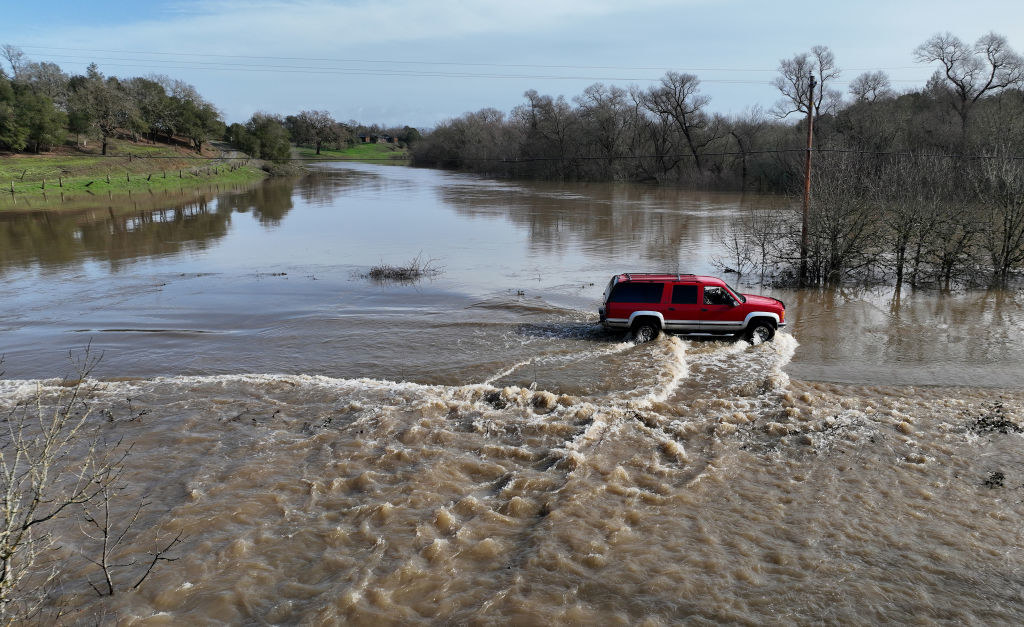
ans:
x=637 y=293
x=717 y=296
x=684 y=294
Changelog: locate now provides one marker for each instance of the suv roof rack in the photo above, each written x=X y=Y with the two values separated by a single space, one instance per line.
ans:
x=629 y=276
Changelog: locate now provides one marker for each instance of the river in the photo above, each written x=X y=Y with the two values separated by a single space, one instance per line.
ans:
x=472 y=447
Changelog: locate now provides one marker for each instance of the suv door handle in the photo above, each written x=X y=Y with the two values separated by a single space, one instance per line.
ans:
x=671 y=308
x=703 y=308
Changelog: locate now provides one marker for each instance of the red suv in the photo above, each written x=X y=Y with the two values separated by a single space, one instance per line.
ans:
x=647 y=304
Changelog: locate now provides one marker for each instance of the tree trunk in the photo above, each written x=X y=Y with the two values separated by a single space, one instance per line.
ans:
x=693 y=149
x=901 y=258
x=917 y=263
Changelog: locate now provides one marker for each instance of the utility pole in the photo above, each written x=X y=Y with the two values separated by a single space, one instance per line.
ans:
x=807 y=181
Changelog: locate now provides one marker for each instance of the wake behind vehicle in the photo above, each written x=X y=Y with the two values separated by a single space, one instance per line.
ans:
x=647 y=304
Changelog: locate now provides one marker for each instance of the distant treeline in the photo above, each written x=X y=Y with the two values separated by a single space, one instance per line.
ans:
x=668 y=133
x=923 y=187
x=42 y=107
x=269 y=136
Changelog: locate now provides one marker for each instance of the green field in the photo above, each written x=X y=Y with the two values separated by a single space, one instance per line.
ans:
x=128 y=167
x=376 y=153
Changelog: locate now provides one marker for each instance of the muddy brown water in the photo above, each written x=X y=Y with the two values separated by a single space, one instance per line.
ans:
x=472 y=448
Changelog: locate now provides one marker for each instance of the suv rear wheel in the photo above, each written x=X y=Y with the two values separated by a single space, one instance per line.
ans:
x=645 y=330
x=760 y=331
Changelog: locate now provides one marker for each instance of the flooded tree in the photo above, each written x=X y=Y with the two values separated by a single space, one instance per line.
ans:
x=1000 y=192
x=843 y=225
x=746 y=130
x=677 y=101
x=550 y=130
x=605 y=120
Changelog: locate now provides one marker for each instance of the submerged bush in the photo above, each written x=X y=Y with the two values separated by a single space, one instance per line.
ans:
x=415 y=269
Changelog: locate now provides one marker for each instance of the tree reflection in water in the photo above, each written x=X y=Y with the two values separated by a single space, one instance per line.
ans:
x=145 y=225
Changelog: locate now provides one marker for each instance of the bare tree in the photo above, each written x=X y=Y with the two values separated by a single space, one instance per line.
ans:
x=652 y=134
x=740 y=253
x=47 y=79
x=678 y=99
x=550 y=125
x=753 y=241
x=49 y=464
x=604 y=117
x=116 y=538
x=1000 y=190
x=971 y=72
x=871 y=86
x=951 y=242
x=903 y=193
x=55 y=465
x=745 y=130
x=15 y=57
x=793 y=83
x=844 y=228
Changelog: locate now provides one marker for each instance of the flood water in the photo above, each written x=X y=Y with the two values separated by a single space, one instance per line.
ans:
x=472 y=447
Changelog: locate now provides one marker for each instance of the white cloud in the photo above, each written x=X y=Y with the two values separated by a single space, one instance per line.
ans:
x=274 y=27
x=638 y=38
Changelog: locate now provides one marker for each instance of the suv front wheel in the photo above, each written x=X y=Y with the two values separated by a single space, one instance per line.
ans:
x=760 y=331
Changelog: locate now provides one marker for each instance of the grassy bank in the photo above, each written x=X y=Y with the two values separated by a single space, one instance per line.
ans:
x=375 y=153
x=128 y=167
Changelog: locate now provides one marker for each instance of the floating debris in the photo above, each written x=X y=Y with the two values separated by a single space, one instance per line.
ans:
x=995 y=421
x=995 y=480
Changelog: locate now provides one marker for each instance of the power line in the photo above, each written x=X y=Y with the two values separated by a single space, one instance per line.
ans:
x=384 y=72
x=422 y=62
x=387 y=72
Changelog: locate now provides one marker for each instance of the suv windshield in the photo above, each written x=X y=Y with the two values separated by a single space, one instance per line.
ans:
x=736 y=293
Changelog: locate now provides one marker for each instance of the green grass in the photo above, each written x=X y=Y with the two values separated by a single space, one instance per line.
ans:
x=376 y=153
x=150 y=167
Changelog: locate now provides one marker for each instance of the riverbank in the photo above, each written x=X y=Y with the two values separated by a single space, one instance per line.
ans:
x=53 y=179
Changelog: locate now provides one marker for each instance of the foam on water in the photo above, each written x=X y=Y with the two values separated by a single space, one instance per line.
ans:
x=672 y=367
x=596 y=353
x=320 y=499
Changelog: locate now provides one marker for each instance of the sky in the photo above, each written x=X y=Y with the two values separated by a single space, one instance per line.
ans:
x=419 y=62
